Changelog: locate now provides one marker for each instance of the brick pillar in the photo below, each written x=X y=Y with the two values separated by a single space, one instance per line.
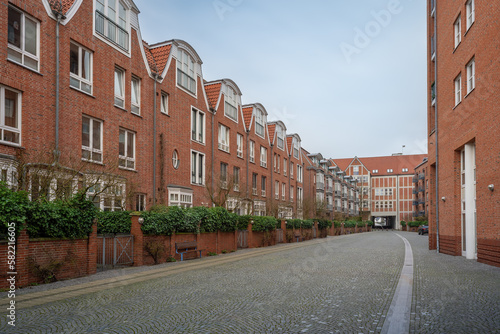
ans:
x=250 y=235
x=283 y=225
x=342 y=228
x=22 y=254
x=92 y=250
x=136 y=231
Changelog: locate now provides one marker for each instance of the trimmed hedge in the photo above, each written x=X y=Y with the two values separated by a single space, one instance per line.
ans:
x=337 y=224
x=262 y=224
x=113 y=222
x=243 y=222
x=350 y=224
x=293 y=223
x=324 y=224
x=417 y=223
x=14 y=206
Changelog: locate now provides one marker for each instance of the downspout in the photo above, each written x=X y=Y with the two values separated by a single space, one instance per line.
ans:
x=58 y=13
x=156 y=77
x=272 y=173
x=247 y=162
x=212 y=162
x=436 y=128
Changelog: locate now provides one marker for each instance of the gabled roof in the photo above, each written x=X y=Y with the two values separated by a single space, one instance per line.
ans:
x=66 y=4
x=382 y=164
x=289 y=142
x=157 y=56
x=342 y=163
x=247 y=117
x=271 y=127
x=213 y=93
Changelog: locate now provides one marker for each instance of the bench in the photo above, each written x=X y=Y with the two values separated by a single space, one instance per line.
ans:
x=187 y=247
x=298 y=236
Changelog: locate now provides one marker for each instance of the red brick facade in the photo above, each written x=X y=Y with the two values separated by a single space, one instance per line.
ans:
x=464 y=140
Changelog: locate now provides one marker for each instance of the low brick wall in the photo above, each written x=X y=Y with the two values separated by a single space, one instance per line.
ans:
x=488 y=251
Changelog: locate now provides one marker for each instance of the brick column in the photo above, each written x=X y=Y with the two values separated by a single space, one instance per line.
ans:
x=136 y=231
x=92 y=250
x=22 y=254
x=342 y=228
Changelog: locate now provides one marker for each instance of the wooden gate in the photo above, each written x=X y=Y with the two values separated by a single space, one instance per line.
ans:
x=114 y=250
x=242 y=238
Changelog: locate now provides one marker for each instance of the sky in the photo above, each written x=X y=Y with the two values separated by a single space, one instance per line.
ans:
x=348 y=76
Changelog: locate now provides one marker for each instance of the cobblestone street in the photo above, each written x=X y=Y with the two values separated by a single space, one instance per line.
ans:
x=341 y=284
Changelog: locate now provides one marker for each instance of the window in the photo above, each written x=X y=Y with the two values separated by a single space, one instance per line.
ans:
x=285 y=163
x=91 y=139
x=291 y=170
x=236 y=178
x=299 y=195
x=263 y=185
x=295 y=149
x=375 y=171
x=252 y=151
x=458 y=31
x=198 y=126
x=471 y=15
x=80 y=67
x=254 y=184
x=231 y=104
x=107 y=195
x=263 y=156
x=23 y=37
x=239 y=145
x=164 y=103
x=185 y=71
x=10 y=116
x=471 y=73
x=283 y=191
x=299 y=173
x=140 y=202
x=405 y=170
x=111 y=22
x=119 y=88
x=280 y=134
x=276 y=189
x=389 y=170
x=175 y=159
x=223 y=175
x=458 y=90
x=259 y=123
x=126 y=149
x=136 y=96
x=291 y=193
x=197 y=168
x=180 y=197
x=355 y=170
x=223 y=138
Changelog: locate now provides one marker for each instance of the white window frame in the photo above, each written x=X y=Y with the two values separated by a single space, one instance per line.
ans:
x=126 y=157
x=263 y=181
x=471 y=75
x=114 y=193
x=277 y=189
x=197 y=168
x=135 y=95
x=186 y=72
x=291 y=193
x=223 y=174
x=140 y=202
x=470 y=12
x=164 y=103
x=283 y=191
x=14 y=131
x=296 y=148
x=457 y=27
x=197 y=126
x=239 y=145
x=280 y=137
x=285 y=163
x=91 y=148
x=8 y=172
x=236 y=178
x=119 y=87
x=299 y=173
x=231 y=104
x=291 y=169
x=77 y=80
x=113 y=24
x=25 y=56
x=263 y=156
x=180 y=197
x=252 y=151
x=260 y=123
x=458 y=89
x=223 y=138
x=300 y=195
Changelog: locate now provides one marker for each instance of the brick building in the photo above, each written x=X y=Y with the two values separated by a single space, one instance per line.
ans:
x=463 y=128
x=385 y=184
x=134 y=123
x=421 y=190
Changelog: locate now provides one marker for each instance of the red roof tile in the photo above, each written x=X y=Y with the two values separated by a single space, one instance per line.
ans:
x=160 y=55
x=382 y=164
x=342 y=163
x=247 y=116
x=271 y=128
x=213 y=93
x=66 y=5
x=289 y=141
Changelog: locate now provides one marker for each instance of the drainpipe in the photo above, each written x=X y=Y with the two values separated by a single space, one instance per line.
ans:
x=436 y=128
x=156 y=78
x=247 y=162
x=212 y=162
x=58 y=13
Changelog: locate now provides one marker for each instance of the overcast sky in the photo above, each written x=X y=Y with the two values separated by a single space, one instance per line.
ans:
x=348 y=76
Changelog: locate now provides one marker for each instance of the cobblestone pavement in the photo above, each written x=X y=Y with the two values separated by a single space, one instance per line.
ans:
x=337 y=285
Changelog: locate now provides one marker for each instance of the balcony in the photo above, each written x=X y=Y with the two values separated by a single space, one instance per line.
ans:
x=421 y=176
x=329 y=207
x=414 y=191
x=111 y=31
x=320 y=186
x=415 y=179
x=421 y=201
x=344 y=195
x=337 y=193
x=421 y=189
x=338 y=209
x=329 y=189
x=415 y=214
x=415 y=203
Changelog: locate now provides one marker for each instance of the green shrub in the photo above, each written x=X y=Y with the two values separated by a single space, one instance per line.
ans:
x=262 y=224
x=193 y=218
x=309 y=223
x=416 y=223
x=324 y=224
x=113 y=222
x=158 y=223
x=293 y=223
x=14 y=206
x=369 y=223
x=350 y=224
x=337 y=224
x=361 y=224
x=218 y=219
x=243 y=222
x=403 y=223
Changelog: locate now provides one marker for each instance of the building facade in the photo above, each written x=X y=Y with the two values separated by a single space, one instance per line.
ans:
x=132 y=123
x=463 y=128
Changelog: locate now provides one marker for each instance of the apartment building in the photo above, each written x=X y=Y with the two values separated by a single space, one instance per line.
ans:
x=463 y=128
x=421 y=190
x=386 y=185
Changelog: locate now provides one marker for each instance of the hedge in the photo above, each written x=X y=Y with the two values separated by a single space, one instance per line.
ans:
x=262 y=224
x=293 y=223
x=324 y=224
x=14 y=206
x=350 y=223
x=243 y=222
x=113 y=222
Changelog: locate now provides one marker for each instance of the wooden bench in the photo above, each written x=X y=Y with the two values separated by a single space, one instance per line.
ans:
x=298 y=236
x=187 y=247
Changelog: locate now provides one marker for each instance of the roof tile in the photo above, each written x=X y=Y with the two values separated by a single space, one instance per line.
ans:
x=247 y=116
x=213 y=92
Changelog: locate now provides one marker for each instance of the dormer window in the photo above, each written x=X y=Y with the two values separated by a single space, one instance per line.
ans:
x=389 y=170
x=231 y=104
x=111 y=22
x=375 y=171
x=260 y=119
x=185 y=71
x=280 y=135
x=295 y=149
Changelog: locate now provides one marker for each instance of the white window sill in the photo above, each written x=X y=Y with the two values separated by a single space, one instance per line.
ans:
x=81 y=91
